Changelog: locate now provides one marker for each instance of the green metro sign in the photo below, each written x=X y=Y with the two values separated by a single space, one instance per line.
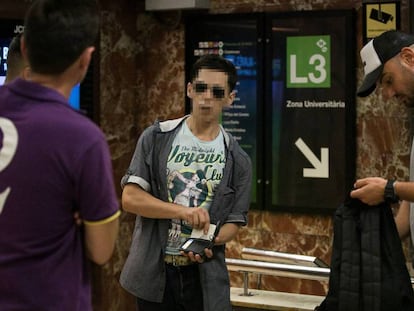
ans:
x=308 y=62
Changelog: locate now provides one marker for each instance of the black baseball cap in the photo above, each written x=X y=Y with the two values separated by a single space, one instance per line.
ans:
x=376 y=53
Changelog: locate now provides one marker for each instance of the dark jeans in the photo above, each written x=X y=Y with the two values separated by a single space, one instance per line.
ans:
x=182 y=291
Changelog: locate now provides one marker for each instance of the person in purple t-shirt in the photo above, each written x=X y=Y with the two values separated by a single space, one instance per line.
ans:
x=54 y=164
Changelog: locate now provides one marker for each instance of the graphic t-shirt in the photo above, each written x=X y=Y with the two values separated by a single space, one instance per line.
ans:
x=194 y=170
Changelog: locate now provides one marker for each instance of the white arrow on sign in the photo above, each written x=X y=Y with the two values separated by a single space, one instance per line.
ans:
x=320 y=168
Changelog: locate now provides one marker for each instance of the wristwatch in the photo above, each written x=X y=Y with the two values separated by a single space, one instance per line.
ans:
x=389 y=194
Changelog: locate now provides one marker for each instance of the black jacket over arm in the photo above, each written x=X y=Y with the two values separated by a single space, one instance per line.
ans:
x=368 y=268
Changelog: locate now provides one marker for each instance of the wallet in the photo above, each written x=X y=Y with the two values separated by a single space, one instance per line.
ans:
x=197 y=245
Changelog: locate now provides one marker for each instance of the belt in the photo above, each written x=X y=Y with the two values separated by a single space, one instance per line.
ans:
x=177 y=260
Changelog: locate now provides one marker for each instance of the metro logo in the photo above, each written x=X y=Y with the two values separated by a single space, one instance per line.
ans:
x=308 y=62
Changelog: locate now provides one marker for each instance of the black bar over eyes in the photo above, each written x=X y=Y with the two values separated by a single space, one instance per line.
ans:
x=217 y=91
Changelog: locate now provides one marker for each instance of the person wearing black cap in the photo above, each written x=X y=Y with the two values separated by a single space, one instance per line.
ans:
x=389 y=66
x=389 y=63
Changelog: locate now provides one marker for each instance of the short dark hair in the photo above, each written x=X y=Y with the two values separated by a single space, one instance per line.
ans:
x=14 y=46
x=56 y=32
x=15 y=61
x=215 y=62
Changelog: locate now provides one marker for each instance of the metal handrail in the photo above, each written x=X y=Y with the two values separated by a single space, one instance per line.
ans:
x=278 y=269
x=272 y=256
x=280 y=257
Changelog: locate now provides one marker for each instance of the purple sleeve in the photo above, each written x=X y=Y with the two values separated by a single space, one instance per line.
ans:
x=97 y=199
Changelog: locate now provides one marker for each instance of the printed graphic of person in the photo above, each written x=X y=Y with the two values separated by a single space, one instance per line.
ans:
x=174 y=236
x=188 y=189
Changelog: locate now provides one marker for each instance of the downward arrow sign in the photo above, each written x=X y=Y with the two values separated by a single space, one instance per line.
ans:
x=320 y=168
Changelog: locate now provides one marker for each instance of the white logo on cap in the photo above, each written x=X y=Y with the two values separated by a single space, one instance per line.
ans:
x=370 y=58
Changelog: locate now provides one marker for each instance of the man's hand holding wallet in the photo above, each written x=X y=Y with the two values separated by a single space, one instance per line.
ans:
x=198 y=241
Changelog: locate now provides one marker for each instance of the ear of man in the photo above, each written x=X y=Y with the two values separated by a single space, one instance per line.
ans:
x=85 y=58
x=23 y=48
x=231 y=98
x=83 y=62
x=407 y=55
x=189 y=89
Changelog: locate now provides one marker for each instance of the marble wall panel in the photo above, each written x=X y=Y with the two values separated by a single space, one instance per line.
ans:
x=141 y=65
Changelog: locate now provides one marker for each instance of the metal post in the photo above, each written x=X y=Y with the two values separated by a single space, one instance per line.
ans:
x=246 y=284
x=259 y=281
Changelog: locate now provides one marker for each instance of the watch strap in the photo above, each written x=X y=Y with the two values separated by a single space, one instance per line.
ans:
x=389 y=192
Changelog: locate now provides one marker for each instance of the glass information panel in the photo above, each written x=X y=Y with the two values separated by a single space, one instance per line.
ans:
x=295 y=108
x=8 y=29
x=236 y=39
x=312 y=117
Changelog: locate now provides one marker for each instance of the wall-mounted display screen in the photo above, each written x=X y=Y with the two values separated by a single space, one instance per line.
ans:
x=4 y=48
x=74 y=98
x=8 y=29
x=236 y=39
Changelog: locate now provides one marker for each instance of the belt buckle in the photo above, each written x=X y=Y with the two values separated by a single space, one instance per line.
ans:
x=177 y=260
x=174 y=260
